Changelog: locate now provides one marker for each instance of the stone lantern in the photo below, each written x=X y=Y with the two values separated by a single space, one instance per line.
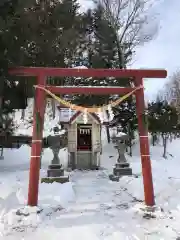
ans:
x=122 y=167
x=55 y=170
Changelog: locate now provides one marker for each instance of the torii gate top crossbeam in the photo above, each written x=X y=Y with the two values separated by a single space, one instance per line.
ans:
x=80 y=72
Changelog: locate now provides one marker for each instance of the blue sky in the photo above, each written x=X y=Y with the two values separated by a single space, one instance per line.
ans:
x=164 y=50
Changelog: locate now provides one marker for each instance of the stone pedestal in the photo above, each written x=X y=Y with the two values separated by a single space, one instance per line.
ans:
x=55 y=170
x=122 y=167
x=55 y=173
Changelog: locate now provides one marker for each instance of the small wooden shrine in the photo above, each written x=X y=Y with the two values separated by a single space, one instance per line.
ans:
x=84 y=140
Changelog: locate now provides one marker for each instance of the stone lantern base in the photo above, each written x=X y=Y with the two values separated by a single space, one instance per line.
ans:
x=122 y=169
x=62 y=179
x=55 y=170
x=55 y=173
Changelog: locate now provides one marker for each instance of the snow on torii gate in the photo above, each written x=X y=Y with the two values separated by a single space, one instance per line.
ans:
x=41 y=73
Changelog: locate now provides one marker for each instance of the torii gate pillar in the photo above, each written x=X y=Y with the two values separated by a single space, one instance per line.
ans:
x=36 y=147
x=144 y=145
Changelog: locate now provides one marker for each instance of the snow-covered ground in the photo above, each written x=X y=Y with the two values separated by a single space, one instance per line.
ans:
x=90 y=206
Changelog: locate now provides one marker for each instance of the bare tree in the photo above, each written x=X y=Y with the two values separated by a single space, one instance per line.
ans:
x=130 y=20
x=171 y=91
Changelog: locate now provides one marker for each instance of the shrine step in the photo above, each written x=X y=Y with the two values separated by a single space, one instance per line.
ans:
x=62 y=179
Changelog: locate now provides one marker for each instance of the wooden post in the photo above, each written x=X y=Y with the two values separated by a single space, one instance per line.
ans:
x=144 y=146
x=36 y=147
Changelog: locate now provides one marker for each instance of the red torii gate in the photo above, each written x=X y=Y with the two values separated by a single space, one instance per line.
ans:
x=41 y=73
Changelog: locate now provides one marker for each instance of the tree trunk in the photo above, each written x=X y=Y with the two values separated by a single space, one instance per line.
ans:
x=127 y=145
x=171 y=137
x=130 y=147
x=164 y=138
x=107 y=130
x=108 y=134
x=130 y=133
x=53 y=104
x=22 y=114
x=154 y=139
x=120 y=54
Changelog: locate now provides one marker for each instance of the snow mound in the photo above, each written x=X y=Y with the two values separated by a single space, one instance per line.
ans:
x=20 y=221
x=21 y=157
x=24 y=126
x=52 y=198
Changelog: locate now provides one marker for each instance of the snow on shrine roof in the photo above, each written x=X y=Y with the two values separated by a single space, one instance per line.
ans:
x=95 y=117
x=66 y=117
x=81 y=67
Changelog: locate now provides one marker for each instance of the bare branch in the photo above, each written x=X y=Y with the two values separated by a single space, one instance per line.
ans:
x=130 y=19
x=171 y=91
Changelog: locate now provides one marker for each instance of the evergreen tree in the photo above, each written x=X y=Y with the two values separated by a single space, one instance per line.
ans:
x=7 y=11
x=99 y=37
x=100 y=52
x=43 y=33
x=35 y=33
x=125 y=117
x=163 y=120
